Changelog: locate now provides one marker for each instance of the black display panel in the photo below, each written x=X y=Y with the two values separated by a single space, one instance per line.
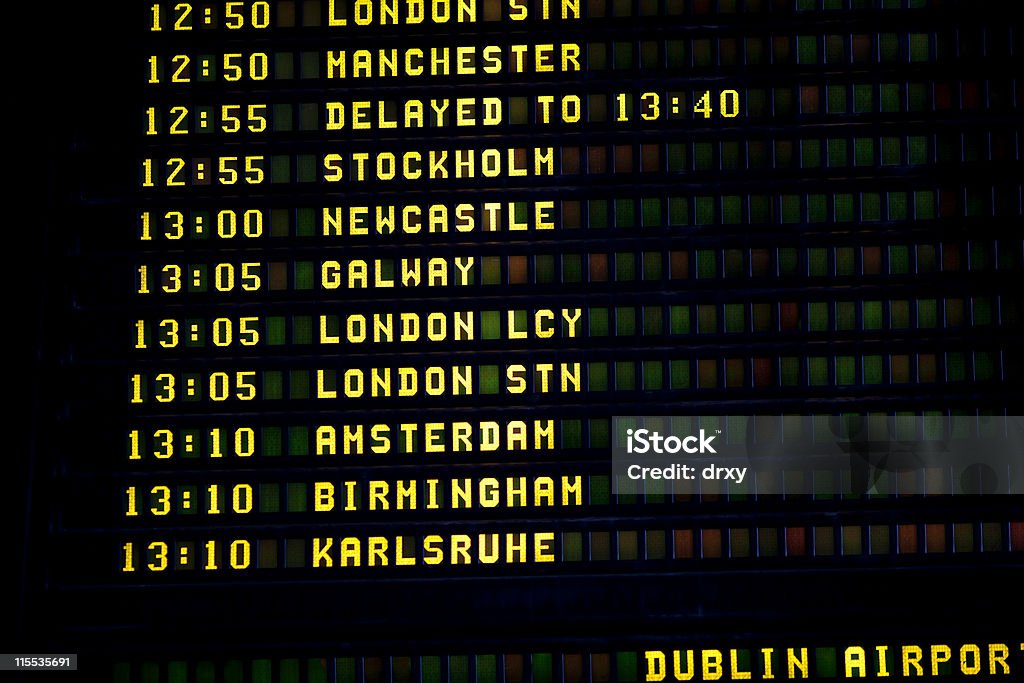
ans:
x=337 y=302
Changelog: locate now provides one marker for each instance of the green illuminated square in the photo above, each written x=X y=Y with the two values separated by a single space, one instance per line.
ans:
x=305 y=279
x=597 y=374
x=757 y=107
x=297 y=497
x=316 y=671
x=270 y=498
x=625 y=321
x=599 y=490
x=789 y=369
x=275 y=330
x=261 y=671
x=490 y=323
x=270 y=439
x=298 y=441
x=597 y=210
x=825 y=661
x=310 y=65
x=280 y=168
x=846 y=370
x=518 y=110
x=626 y=666
x=572 y=268
x=873 y=370
x=837 y=99
x=282 y=115
x=572 y=433
x=845 y=261
x=680 y=371
x=680 y=319
x=919 y=47
x=956 y=367
x=817 y=371
x=284 y=66
x=430 y=670
x=917 y=96
x=489 y=379
x=625 y=267
x=846 y=315
x=734 y=318
x=702 y=53
x=890 y=97
x=807 y=49
x=864 y=152
x=652 y=265
x=863 y=99
x=572 y=546
x=279 y=223
x=544 y=268
x=730 y=152
x=625 y=375
x=982 y=311
x=346 y=670
x=599 y=432
x=897 y=206
x=791 y=208
x=891 y=151
x=984 y=366
x=783 y=101
x=844 y=208
x=927 y=313
x=872 y=315
x=302 y=329
x=233 y=671
x=707 y=266
x=924 y=205
x=623 y=55
x=676 y=53
x=650 y=208
x=625 y=213
x=678 y=211
x=788 y=261
x=703 y=156
x=871 y=206
x=309 y=117
x=305 y=168
x=817 y=262
x=899 y=259
x=889 y=47
x=817 y=316
x=817 y=208
x=810 y=153
x=837 y=152
x=486 y=669
x=732 y=210
x=676 y=158
x=917 y=150
x=491 y=270
x=298 y=383
x=653 y=377
x=598 y=320
x=205 y=672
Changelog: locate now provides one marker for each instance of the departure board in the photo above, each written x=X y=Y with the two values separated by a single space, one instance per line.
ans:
x=524 y=341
